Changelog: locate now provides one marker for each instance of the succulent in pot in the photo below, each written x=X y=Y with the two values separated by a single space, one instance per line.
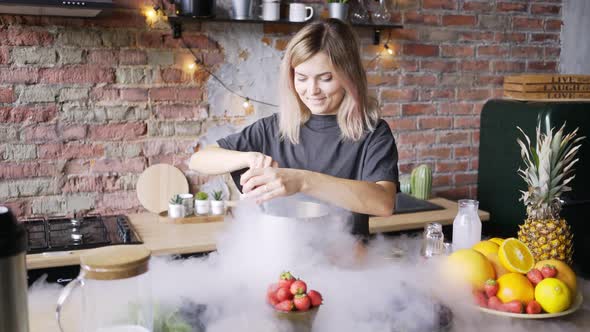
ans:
x=202 y=203
x=217 y=204
x=175 y=207
x=338 y=9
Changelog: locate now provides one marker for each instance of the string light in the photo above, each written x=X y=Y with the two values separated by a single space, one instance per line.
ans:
x=152 y=14
x=246 y=103
x=389 y=50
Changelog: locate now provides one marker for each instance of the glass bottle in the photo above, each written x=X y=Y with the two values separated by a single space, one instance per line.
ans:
x=433 y=241
x=467 y=225
x=380 y=14
x=358 y=12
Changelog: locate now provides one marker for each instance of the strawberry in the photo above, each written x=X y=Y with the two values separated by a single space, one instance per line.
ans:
x=533 y=307
x=298 y=287
x=272 y=289
x=283 y=294
x=491 y=287
x=272 y=299
x=548 y=271
x=315 y=297
x=513 y=306
x=494 y=303
x=286 y=279
x=480 y=299
x=302 y=302
x=286 y=305
x=535 y=276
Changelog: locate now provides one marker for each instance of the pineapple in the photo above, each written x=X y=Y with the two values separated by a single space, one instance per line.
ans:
x=549 y=168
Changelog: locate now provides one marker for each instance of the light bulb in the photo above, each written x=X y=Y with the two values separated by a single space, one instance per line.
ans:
x=151 y=14
x=192 y=66
x=389 y=50
x=246 y=103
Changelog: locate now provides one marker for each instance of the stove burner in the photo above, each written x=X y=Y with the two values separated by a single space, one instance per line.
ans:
x=77 y=237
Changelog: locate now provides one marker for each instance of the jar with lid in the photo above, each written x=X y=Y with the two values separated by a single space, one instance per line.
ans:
x=433 y=241
x=467 y=225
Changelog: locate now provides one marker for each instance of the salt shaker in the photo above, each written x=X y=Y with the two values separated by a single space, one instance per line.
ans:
x=433 y=241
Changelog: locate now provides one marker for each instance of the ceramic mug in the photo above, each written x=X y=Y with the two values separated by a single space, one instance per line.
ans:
x=298 y=12
x=271 y=10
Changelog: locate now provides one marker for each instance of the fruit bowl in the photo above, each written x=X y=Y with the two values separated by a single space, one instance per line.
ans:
x=301 y=320
x=576 y=304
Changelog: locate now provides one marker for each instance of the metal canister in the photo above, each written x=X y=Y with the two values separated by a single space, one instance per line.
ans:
x=433 y=241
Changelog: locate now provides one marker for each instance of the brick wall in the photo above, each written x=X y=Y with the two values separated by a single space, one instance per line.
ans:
x=87 y=104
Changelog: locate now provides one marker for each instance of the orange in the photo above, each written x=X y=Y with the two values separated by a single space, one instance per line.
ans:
x=553 y=295
x=564 y=273
x=468 y=265
x=515 y=286
x=497 y=240
x=486 y=247
x=515 y=256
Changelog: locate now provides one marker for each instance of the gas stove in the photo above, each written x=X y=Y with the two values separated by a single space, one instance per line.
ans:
x=79 y=232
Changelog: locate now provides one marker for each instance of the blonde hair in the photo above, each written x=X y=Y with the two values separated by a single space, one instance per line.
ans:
x=357 y=113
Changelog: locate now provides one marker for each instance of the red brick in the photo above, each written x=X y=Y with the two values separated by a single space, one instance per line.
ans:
x=420 y=50
x=179 y=112
x=4 y=55
x=374 y=79
x=474 y=164
x=489 y=80
x=465 y=178
x=173 y=75
x=508 y=66
x=511 y=7
x=476 y=36
x=128 y=165
x=134 y=94
x=391 y=63
x=404 y=34
x=439 y=180
x=391 y=110
x=396 y=95
x=466 y=152
x=451 y=166
x=474 y=65
x=41 y=133
x=406 y=154
x=114 y=132
x=418 y=109
x=21 y=170
x=151 y=39
x=459 y=20
x=553 y=25
x=119 y=202
x=78 y=184
x=525 y=23
x=550 y=66
x=402 y=124
x=435 y=123
x=544 y=37
x=495 y=51
x=473 y=94
x=466 y=122
x=457 y=51
x=527 y=52
x=552 y=52
x=28 y=113
x=434 y=153
x=73 y=132
x=438 y=65
x=477 y=6
x=70 y=151
x=539 y=9
x=20 y=207
x=104 y=93
x=421 y=80
x=412 y=17
x=437 y=94
x=456 y=108
x=19 y=75
x=7 y=95
x=18 y=36
x=416 y=138
x=199 y=41
x=104 y=58
x=132 y=57
x=77 y=74
x=452 y=137
x=439 y=4
x=189 y=94
x=503 y=37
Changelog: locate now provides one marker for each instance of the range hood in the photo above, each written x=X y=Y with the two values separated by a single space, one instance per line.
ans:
x=79 y=8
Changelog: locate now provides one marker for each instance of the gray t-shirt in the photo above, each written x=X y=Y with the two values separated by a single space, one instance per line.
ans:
x=372 y=158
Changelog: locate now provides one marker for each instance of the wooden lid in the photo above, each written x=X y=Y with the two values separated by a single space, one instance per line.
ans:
x=157 y=184
x=115 y=262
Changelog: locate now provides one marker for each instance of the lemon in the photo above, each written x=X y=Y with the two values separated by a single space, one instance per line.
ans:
x=515 y=256
x=468 y=265
x=515 y=286
x=486 y=247
x=553 y=295
x=497 y=240
x=564 y=273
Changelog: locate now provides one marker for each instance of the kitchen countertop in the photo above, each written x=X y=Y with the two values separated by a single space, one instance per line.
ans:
x=164 y=238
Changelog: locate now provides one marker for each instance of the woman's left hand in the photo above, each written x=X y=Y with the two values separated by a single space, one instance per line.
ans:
x=268 y=183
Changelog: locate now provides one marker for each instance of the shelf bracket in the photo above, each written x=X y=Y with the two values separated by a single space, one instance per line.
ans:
x=376 y=36
x=176 y=30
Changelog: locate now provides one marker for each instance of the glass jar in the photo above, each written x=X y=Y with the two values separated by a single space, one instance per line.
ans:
x=116 y=290
x=467 y=225
x=358 y=12
x=433 y=241
x=379 y=12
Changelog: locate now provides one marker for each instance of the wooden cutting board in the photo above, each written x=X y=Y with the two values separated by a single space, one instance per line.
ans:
x=157 y=184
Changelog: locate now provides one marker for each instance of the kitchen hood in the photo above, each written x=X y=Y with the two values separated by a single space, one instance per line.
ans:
x=79 y=8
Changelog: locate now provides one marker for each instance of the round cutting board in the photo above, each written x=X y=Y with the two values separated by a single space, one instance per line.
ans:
x=157 y=184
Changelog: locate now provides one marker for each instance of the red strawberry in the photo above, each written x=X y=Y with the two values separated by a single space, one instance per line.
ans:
x=491 y=287
x=302 y=302
x=533 y=307
x=480 y=299
x=286 y=305
x=315 y=297
x=494 y=303
x=513 y=306
x=548 y=271
x=535 y=276
x=272 y=289
x=284 y=294
x=298 y=287
x=272 y=299
x=286 y=279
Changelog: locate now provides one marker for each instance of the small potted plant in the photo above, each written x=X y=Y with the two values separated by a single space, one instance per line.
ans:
x=175 y=207
x=202 y=203
x=338 y=9
x=217 y=204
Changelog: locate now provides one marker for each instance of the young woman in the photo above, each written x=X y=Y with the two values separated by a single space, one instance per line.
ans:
x=327 y=140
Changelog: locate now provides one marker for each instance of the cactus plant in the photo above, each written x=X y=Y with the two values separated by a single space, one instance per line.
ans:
x=176 y=200
x=218 y=195
x=202 y=196
x=421 y=181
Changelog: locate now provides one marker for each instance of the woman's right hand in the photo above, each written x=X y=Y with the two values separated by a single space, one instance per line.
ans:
x=260 y=160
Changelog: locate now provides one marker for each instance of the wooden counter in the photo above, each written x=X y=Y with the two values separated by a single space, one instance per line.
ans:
x=164 y=238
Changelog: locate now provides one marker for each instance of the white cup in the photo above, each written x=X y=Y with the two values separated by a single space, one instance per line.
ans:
x=298 y=12
x=271 y=10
